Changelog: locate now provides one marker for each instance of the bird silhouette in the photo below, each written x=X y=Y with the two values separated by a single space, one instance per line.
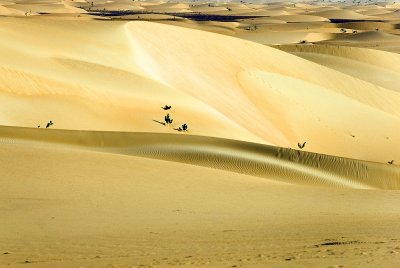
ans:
x=391 y=162
x=167 y=119
x=49 y=124
x=301 y=146
x=166 y=107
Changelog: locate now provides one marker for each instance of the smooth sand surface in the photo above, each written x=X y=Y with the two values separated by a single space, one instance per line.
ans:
x=120 y=83
x=111 y=185
x=86 y=198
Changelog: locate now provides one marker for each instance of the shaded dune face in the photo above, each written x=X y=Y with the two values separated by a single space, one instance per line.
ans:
x=272 y=163
x=222 y=86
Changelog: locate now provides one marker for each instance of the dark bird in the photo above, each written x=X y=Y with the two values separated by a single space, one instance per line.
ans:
x=391 y=162
x=166 y=107
x=184 y=127
x=168 y=119
x=49 y=124
x=301 y=146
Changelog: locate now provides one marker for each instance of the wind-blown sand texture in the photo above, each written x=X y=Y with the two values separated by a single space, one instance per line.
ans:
x=111 y=185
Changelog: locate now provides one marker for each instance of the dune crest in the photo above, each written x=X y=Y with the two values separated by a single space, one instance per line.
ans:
x=273 y=163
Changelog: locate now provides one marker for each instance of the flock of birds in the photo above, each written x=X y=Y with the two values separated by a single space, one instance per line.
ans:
x=49 y=124
x=168 y=120
x=184 y=127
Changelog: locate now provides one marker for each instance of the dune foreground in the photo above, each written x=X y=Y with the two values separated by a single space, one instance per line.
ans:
x=290 y=158
x=79 y=198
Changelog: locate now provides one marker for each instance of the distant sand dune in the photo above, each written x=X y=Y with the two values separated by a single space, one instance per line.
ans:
x=383 y=59
x=377 y=67
x=341 y=14
x=371 y=36
x=300 y=18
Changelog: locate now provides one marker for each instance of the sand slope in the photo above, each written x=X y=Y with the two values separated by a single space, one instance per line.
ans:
x=261 y=70
x=380 y=67
x=216 y=90
x=84 y=198
x=282 y=164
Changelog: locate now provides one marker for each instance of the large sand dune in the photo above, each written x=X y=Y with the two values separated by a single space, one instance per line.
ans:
x=114 y=208
x=265 y=80
x=274 y=163
x=111 y=185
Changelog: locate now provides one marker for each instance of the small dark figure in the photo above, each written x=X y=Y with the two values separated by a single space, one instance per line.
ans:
x=38 y=126
x=167 y=119
x=166 y=107
x=49 y=124
x=184 y=127
x=391 y=162
x=301 y=146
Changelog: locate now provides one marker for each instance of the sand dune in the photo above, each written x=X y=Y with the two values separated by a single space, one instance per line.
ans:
x=252 y=83
x=111 y=209
x=277 y=38
x=142 y=211
x=274 y=163
x=111 y=184
x=367 y=72
x=380 y=67
x=44 y=7
x=372 y=36
x=342 y=14
x=382 y=59
x=7 y=11
x=300 y=18
x=375 y=39
x=199 y=96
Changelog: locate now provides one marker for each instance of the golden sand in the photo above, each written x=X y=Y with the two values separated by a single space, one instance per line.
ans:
x=110 y=185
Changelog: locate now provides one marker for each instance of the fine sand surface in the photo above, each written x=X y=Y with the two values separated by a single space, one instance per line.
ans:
x=109 y=184
x=102 y=198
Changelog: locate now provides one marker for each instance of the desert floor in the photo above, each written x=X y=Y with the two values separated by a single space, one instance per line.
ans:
x=110 y=184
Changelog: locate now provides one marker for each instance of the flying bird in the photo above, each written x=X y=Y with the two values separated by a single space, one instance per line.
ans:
x=166 y=107
x=301 y=146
